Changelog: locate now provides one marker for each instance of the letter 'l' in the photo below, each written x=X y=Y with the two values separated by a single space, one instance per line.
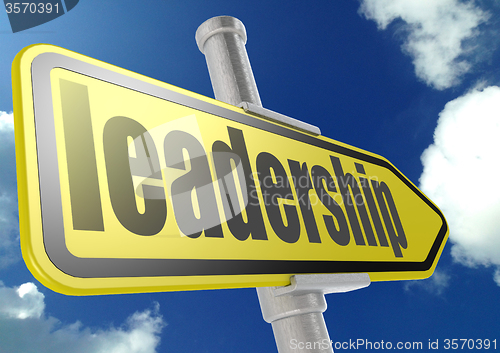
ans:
x=84 y=190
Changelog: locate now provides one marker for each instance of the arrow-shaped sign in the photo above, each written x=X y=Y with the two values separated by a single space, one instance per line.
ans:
x=127 y=184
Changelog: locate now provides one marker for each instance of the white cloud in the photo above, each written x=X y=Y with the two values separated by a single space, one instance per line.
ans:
x=437 y=31
x=6 y=121
x=436 y=284
x=21 y=303
x=461 y=171
x=9 y=224
x=24 y=328
x=496 y=277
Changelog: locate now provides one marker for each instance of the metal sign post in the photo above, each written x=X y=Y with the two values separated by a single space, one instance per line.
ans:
x=295 y=311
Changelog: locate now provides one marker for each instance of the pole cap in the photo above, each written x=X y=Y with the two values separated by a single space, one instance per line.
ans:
x=216 y=25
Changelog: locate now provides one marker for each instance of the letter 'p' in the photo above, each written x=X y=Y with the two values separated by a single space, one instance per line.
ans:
x=384 y=199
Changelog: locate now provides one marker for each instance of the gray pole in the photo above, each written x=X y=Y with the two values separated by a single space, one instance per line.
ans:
x=295 y=311
x=222 y=40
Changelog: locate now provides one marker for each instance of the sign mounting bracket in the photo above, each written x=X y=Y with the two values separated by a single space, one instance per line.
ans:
x=296 y=311
x=324 y=283
x=280 y=118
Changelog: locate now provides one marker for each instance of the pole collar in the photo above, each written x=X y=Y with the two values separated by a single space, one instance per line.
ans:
x=216 y=25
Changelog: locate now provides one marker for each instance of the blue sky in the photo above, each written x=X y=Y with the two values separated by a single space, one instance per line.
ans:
x=414 y=81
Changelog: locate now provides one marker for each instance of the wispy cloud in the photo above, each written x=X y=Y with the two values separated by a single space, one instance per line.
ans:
x=25 y=328
x=436 y=34
x=9 y=224
x=460 y=175
x=436 y=284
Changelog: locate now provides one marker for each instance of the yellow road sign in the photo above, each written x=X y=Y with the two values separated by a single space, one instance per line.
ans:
x=127 y=184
